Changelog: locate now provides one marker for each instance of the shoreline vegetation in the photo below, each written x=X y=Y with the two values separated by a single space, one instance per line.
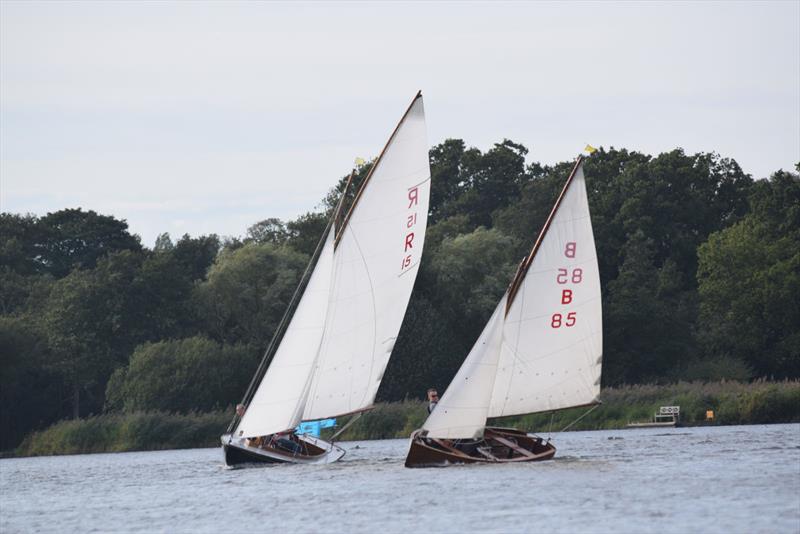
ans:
x=758 y=402
x=699 y=269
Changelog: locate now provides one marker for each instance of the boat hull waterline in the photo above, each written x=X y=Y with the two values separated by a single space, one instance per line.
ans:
x=238 y=453
x=500 y=445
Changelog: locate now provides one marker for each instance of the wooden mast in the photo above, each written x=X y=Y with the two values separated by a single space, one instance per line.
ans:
x=337 y=215
x=371 y=171
x=522 y=270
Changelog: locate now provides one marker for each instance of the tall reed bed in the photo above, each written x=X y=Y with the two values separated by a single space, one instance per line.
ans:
x=733 y=403
x=139 y=431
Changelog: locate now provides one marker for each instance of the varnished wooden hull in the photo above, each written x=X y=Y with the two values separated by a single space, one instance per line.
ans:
x=316 y=451
x=500 y=445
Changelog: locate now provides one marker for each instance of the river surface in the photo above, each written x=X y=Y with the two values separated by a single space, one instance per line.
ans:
x=709 y=479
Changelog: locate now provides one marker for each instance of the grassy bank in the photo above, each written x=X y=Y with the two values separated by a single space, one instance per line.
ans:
x=140 y=431
x=733 y=403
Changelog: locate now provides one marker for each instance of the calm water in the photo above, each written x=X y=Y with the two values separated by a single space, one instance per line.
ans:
x=725 y=479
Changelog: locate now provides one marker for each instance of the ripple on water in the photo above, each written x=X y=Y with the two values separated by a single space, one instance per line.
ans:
x=698 y=479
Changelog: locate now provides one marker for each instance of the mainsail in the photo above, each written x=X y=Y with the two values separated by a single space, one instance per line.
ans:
x=332 y=357
x=548 y=328
x=376 y=264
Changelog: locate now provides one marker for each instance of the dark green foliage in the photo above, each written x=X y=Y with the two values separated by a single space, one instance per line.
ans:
x=75 y=238
x=182 y=376
x=29 y=393
x=247 y=291
x=749 y=281
x=21 y=243
x=699 y=272
x=643 y=304
x=305 y=232
x=196 y=254
x=270 y=230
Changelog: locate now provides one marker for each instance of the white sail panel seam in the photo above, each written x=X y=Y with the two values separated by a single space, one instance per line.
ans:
x=374 y=320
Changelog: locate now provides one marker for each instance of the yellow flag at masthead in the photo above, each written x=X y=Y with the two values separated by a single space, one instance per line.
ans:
x=360 y=161
x=590 y=149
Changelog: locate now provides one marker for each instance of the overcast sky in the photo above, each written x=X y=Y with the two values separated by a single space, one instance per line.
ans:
x=206 y=117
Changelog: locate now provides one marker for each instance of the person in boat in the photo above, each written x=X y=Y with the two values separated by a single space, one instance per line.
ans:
x=283 y=440
x=255 y=442
x=240 y=410
x=433 y=398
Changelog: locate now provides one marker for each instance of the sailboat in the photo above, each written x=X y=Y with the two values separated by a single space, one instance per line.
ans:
x=328 y=356
x=540 y=351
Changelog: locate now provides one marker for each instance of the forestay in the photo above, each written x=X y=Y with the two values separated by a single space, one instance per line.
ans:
x=375 y=265
x=280 y=398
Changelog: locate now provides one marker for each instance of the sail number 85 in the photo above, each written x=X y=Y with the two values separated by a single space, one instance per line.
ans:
x=557 y=320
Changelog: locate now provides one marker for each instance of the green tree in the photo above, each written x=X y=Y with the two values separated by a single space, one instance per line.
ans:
x=21 y=239
x=29 y=394
x=749 y=283
x=646 y=319
x=196 y=254
x=270 y=230
x=447 y=182
x=489 y=181
x=306 y=231
x=76 y=238
x=247 y=292
x=472 y=271
x=163 y=243
x=182 y=376
x=93 y=319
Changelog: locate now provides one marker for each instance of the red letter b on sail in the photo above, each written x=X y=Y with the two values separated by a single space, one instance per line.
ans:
x=570 y=250
x=566 y=296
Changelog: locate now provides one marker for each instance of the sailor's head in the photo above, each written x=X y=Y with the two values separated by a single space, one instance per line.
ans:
x=433 y=396
x=240 y=410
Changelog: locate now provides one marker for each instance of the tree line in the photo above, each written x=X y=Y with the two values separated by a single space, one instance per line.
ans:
x=699 y=265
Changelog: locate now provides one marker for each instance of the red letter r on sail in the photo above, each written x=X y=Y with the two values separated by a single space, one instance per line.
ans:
x=413 y=195
x=409 y=240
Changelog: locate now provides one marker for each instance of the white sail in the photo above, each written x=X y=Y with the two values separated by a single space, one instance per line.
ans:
x=280 y=398
x=552 y=334
x=462 y=410
x=376 y=263
x=544 y=351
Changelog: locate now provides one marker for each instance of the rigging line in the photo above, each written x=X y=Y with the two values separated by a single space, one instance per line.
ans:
x=355 y=418
x=590 y=410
